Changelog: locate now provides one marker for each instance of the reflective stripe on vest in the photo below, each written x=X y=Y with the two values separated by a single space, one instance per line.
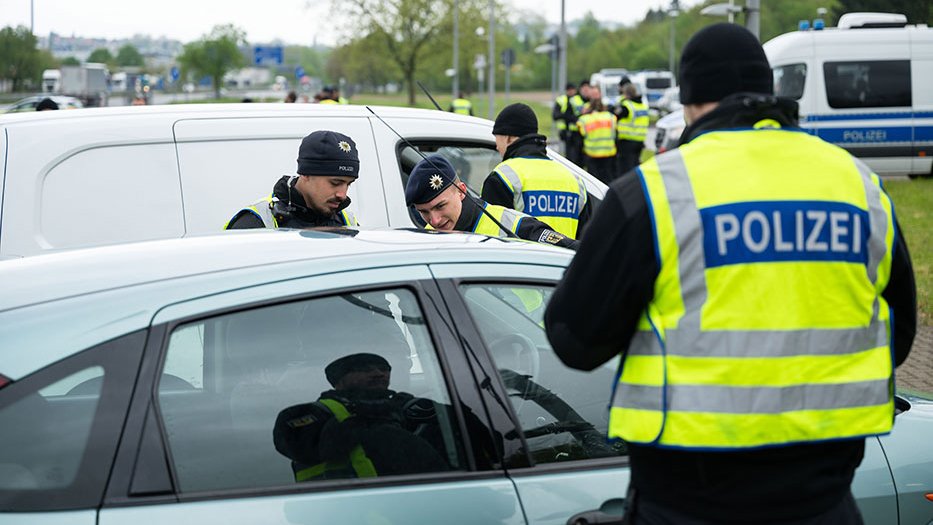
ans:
x=361 y=464
x=576 y=102
x=546 y=190
x=461 y=106
x=767 y=326
x=599 y=134
x=263 y=210
x=510 y=219
x=635 y=125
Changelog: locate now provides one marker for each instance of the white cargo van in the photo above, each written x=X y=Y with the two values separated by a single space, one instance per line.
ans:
x=109 y=175
x=652 y=84
x=866 y=85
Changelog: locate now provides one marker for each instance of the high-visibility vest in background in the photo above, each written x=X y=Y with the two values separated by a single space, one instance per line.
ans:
x=263 y=210
x=635 y=125
x=546 y=190
x=461 y=106
x=357 y=465
x=599 y=134
x=767 y=326
x=577 y=103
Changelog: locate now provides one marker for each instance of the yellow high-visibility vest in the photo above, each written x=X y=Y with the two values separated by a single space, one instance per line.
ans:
x=599 y=134
x=359 y=462
x=635 y=125
x=509 y=218
x=461 y=106
x=767 y=326
x=546 y=190
x=577 y=103
x=263 y=210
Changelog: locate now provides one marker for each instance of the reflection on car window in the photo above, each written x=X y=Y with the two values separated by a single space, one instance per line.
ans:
x=562 y=411
x=472 y=162
x=869 y=83
x=347 y=386
x=789 y=80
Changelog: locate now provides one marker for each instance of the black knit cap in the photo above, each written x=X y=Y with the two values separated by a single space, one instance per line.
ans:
x=329 y=154
x=720 y=60
x=516 y=120
x=428 y=179
x=349 y=363
x=46 y=104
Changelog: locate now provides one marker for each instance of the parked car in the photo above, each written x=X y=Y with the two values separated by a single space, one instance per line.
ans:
x=137 y=173
x=668 y=129
x=30 y=103
x=141 y=384
x=669 y=101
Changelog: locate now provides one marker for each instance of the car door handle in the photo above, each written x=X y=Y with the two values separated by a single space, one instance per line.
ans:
x=609 y=513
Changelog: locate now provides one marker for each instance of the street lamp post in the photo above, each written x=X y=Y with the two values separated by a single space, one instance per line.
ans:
x=672 y=13
x=492 y=59
x=455 y=88
x=752 y=12
x=561 y=51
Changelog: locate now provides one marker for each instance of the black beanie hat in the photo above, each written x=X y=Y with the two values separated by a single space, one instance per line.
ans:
x=428 y=179
x=329 y=154
x=348 y=363
x=516 y=120
x=46 y=104
x=720 y=60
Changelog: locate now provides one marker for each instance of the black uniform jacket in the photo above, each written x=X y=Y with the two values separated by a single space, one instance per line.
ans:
x=592 y=317
x=293 y=215
x=533 y=146
x=530 y=228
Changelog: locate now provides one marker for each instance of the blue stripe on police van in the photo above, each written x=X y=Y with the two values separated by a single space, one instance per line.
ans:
x=551 y=203
x=776 y=231
x=869 y=116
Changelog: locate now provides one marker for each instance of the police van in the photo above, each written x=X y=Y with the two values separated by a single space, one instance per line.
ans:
x=865 y=85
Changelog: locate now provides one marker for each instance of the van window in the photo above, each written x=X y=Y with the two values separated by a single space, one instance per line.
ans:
x=658 y=83
x=868 y=84
x=789 y=80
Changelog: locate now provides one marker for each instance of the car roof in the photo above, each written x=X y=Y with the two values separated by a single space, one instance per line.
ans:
x=57 y=304
x=239 y=110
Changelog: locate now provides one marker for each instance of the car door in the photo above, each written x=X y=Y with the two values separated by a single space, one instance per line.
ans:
x=568 y=469
x=203 y=442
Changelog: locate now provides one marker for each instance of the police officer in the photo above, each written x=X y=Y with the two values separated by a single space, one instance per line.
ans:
x=598 y=129
x=359 y=429
x=528 y=181
x=632 y=127
x=566 y=109
x=753 y=294
x=440 y=197
x=461 y=105
x=328 y=163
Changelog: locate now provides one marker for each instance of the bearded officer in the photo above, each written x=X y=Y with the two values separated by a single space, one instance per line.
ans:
x=440 y=197
x=328 y=163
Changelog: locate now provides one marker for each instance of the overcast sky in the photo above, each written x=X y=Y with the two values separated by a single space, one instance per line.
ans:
x=293 y=21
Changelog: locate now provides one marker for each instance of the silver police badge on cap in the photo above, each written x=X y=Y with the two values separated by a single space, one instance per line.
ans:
x=436 y=182
x=344 y=145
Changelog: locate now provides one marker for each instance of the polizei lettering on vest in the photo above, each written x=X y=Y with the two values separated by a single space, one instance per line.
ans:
x=784 y=231
x=551 y=203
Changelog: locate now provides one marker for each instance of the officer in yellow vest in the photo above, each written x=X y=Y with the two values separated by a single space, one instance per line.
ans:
x=760 y=292
x=632 y=128
x=598 y=129
x=358 y=429
x=328 y=163
x=528 y=181
x=440 y=197
x=461 y=105
x=567 y=108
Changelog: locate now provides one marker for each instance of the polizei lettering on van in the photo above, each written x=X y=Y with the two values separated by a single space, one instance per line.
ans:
x=784 y=231
x=551 y=203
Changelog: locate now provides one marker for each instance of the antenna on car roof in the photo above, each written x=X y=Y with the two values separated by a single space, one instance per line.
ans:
x=426 y=92
x=469 y=197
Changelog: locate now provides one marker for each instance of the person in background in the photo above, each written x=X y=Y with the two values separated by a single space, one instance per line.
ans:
x=46 y=104
x=598 y=129
x=328 y=163
x=632 y=128
x=760 y=302
x=291 y=97
x=567 y=108
x=461 y=105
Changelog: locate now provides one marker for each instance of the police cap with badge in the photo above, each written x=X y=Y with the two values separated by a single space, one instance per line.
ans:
x=328 y=154
x=428 y=179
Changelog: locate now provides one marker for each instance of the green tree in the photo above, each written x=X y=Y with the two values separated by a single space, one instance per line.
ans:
x=101 y=55
x=20 y=61
x=129 y=56
x=70 y=61
x=917 y=11
x=214 y=54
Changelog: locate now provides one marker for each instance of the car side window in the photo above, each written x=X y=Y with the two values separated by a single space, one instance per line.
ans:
x=562 y=411
x=868 y=84
x=59 y=428
x=473 y=162
x=337 y=387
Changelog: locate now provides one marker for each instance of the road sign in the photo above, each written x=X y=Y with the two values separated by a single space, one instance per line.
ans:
x=268 y=55
x=175 y=73
x=508 y=57
x=299 y=72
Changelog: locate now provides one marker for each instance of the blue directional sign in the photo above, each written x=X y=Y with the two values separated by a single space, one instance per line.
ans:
x=175 y=73
x=299 y=72
x=268 y=55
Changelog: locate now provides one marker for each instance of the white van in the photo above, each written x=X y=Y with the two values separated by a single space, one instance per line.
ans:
x=607 y=80
x=108 y=175
x=652 y=84
x=866 y=85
